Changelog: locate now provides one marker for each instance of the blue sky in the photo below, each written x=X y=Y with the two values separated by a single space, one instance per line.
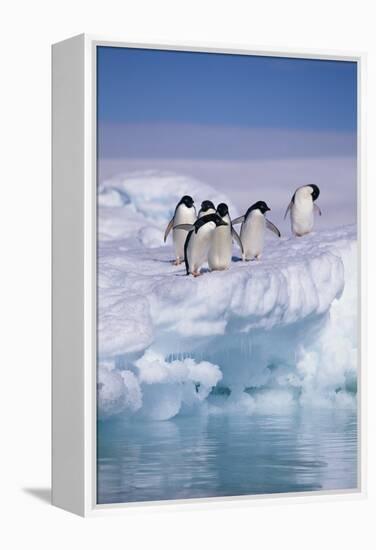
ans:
x=172 y=102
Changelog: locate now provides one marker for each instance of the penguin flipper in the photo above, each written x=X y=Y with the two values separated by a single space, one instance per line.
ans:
x=272 y=227
x=236 y=238
x=238 y=220
x=185 y=251
x=168 y=229
x=288 y=208
x=317 y=209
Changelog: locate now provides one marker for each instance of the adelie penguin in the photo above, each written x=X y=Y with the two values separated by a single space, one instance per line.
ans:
x=220 y=252
x=185 y=213
x=252 y=233
x=198 y=241
x=207 y=207
x=302 y=207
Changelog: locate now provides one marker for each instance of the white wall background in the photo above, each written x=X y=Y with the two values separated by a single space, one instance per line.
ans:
x=27 y=30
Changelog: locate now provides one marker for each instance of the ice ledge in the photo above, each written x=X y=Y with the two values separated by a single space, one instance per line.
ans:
x=296 y=279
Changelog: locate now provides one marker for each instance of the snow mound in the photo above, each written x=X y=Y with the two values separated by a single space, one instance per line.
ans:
x=262 y=336
x=140 y=204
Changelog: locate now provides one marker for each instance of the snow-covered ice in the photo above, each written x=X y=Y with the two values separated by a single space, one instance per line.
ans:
x=267 y=335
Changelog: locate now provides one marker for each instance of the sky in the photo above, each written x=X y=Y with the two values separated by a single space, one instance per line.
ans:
x=254 y=127
x=166 y=104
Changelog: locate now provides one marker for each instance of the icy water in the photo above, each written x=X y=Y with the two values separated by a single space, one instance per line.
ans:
x=223 y=455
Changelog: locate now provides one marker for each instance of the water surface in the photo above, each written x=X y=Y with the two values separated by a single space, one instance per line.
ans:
x=226 y=455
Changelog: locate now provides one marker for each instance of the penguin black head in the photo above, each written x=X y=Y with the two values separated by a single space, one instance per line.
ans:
x=206 y=205
x=315 y=192
x=209 y=218
x=187 y=200
x=222 y=209
x=259 y=205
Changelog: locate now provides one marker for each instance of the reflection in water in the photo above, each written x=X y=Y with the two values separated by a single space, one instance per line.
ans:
x=223 y=455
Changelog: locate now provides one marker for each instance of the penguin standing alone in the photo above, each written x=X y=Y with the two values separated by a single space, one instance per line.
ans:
x=220 y=252
x=185 y=213
x=198 y=241
x=302 y=208
x=252 y=233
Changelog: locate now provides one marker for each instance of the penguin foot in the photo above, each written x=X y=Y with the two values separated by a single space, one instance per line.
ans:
x=196 y=273
x=178 y=261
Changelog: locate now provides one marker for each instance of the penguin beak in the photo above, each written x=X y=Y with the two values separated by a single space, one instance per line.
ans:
x=268 y=209
x=223 y=223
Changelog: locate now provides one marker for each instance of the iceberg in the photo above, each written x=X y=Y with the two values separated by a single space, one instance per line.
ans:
x=262 y=336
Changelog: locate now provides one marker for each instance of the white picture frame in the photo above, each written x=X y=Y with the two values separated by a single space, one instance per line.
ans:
x=74 y=276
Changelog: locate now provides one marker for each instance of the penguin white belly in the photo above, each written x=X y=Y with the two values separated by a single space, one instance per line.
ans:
x=198 y=247
x=220 y=252
x=302 y=217
x=252 y=235
x=183 y=215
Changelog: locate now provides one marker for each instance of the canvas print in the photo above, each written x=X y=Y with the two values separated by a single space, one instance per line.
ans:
x=227 y=287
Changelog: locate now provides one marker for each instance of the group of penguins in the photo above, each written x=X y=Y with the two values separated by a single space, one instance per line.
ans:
x=208 y=236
